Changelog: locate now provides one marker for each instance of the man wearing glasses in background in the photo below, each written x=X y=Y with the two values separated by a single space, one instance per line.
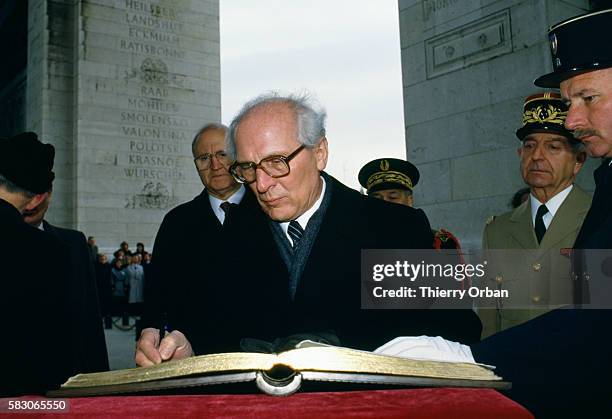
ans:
x=319 y=227
x=195 y=264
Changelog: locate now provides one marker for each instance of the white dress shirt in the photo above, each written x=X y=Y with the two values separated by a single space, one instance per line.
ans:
x=553 y=205
x=215 y=203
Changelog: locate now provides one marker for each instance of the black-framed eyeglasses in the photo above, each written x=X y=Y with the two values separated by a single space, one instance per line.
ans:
x=274 y=166
x=203 y=161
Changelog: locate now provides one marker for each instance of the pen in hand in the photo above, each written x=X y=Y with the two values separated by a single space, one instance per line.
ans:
x=163 y=328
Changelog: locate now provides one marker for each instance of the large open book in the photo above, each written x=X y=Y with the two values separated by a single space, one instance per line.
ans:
x=283 y=373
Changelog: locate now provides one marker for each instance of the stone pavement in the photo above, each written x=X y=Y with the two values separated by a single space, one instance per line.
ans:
x=120 y=343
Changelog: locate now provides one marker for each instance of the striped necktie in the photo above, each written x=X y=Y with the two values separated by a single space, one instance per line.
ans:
x=296 y=232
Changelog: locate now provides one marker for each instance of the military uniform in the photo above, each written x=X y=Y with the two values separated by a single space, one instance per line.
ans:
x=559 y=363
x=389 y=173
x=537 y=275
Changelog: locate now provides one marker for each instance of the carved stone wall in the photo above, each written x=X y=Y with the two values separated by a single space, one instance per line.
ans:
x=120 y=87
x=467 y=66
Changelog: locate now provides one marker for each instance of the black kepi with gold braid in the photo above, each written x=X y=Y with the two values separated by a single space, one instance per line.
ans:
x=544 y=112
x=388 y=173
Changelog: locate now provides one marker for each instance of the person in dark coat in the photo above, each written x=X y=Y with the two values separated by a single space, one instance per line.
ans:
x=320 y=227
x=200 y=283
x=39 y=353
x=103 y=280
x=559 y=363
x=326 y=297
x=83 y=292
x=84 y=302
x=148 y=274
x=125 y=248
x=320 y=293
x=393 y=180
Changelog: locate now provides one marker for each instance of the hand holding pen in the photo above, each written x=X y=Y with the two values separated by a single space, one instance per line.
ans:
x=163 y=328
x=159 y=345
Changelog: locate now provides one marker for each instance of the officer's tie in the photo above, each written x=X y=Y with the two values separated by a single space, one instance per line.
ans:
x=540 y=228
x=296 y=232
x=226 y=206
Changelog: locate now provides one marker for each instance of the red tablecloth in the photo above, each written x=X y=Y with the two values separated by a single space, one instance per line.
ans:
x=430 y=403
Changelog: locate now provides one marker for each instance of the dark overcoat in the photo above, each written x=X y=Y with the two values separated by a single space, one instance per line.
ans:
x=38 y=351
x=84 y=303
x=328 y=293
x=559 y=363
x=216 y=283
x=596 y=231
x=219 y=284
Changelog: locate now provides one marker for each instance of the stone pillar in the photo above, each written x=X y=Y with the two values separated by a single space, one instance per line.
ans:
x=467 y=65
x=120 y=87
x=50 y=96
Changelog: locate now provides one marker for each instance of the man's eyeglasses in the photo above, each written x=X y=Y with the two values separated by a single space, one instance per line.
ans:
x=203 y=162
x=274 y=166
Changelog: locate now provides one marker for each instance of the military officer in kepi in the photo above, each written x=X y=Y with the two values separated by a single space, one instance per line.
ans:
x=540 y=230
x=393 y=180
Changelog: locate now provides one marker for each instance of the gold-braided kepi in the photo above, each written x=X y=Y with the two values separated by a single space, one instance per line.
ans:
x=544 y=112
x=388 y=173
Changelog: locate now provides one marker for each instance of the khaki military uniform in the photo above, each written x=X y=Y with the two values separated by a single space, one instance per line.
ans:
x=537 y=276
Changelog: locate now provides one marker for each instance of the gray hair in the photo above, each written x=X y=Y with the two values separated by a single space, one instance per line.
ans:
x=310 y=117
x=12 y=188
x=211 y=125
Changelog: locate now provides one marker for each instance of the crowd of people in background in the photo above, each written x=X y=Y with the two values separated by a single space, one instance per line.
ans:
x=121 y=280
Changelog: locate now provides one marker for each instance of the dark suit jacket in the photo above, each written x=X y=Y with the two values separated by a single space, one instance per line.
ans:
x=39 y=348
x=558 y=363
x=217 y=283
x=328 y=294
x=596 y=231
x=103 y=283
x=84 y=302
x=222 y=283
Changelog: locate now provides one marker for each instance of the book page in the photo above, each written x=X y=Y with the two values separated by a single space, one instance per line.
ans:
x=203 y=364
x=338 y=359
x=427 y=347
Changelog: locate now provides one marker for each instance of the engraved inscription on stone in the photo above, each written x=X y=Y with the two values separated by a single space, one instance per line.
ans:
x=154 y=195
x=470 y=44
x=432 y=6
x=151 y=121
x=142 y=48
x=150 y=24
x=126 y=85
